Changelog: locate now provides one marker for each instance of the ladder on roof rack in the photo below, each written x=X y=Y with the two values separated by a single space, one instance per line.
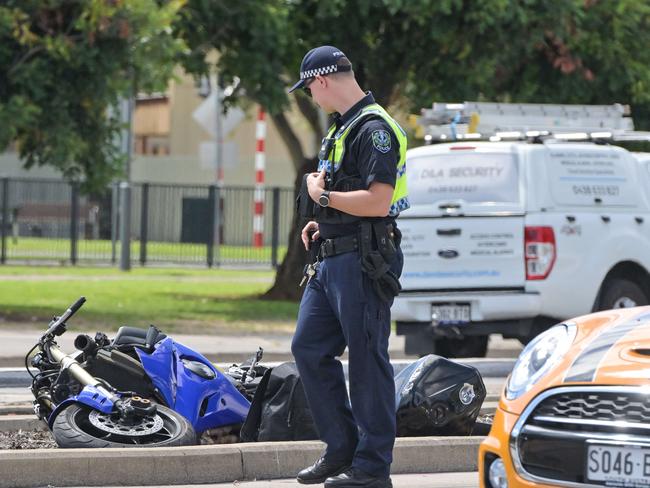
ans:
x=521 y=121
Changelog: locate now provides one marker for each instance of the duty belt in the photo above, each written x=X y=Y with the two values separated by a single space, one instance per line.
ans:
x=341 y=245
x=338 y=245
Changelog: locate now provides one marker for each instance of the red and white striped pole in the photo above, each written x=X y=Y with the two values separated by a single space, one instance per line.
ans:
x=260 y=164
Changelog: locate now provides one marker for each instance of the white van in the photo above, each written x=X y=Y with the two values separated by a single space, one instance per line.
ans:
x=512 y=237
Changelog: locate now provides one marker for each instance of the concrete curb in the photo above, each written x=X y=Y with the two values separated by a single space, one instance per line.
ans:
x=17 y=409
x=13 y=423
x=487 y=408
x=213 y=464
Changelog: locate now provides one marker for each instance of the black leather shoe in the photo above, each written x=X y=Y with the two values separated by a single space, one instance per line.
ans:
x=321 y=470
x=355 y=478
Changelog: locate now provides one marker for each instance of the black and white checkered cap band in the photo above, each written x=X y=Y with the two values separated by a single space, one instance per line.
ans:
x=310 y=73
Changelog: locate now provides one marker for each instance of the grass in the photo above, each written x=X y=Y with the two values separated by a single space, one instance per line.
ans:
x=36 y=248
x=177 y=300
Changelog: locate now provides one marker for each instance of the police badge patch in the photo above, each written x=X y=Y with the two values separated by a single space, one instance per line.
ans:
x=381 y=141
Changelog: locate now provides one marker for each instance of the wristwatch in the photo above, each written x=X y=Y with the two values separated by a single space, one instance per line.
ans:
x=324 y=199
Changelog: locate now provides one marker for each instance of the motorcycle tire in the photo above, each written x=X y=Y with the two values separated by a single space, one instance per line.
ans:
x=73 y=428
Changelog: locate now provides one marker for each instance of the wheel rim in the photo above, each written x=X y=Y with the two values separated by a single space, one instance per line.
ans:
x=624 y=302
x=149 y=430
x=111 y=424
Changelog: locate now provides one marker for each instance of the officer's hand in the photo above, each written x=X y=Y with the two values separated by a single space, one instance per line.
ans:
x=316 y=185
x=311 y=226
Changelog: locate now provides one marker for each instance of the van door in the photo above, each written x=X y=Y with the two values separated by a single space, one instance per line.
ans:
x=465 y=227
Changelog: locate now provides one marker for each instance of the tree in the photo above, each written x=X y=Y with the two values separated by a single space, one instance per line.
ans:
x=63 y=63
x=412 y=52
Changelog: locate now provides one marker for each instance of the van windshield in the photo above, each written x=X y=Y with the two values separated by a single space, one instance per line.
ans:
x=466 y=176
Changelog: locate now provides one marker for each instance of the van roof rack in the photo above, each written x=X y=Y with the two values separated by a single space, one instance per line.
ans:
x=533 y=122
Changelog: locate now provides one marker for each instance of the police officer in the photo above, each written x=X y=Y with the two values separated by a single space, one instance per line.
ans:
x=355 y=196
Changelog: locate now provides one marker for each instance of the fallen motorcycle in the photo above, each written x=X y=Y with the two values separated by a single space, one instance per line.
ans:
x=141 y=389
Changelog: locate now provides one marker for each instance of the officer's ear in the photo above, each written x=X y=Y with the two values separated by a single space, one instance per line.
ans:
x=322 y=80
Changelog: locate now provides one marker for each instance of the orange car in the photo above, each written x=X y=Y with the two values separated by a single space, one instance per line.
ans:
x=576 y=408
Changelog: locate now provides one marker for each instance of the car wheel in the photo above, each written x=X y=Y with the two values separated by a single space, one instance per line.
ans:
x=621 y=293
x=467 y=347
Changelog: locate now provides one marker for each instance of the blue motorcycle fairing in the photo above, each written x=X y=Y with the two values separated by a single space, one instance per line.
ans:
x=90 y=396
x=205 y=403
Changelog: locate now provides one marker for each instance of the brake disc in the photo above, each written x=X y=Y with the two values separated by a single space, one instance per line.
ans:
x=105 y=422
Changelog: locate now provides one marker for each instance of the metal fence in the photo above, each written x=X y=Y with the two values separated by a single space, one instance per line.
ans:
x=51 y=221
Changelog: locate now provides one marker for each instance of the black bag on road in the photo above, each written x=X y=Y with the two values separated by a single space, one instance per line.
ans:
x=279 y=410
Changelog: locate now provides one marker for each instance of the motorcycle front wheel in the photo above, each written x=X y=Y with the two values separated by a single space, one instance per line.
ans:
x=80 y=426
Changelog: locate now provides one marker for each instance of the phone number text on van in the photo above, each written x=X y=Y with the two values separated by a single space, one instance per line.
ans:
x=598 y=190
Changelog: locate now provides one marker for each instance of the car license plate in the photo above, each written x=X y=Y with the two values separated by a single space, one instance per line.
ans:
x=450 y=313
x=619 y=466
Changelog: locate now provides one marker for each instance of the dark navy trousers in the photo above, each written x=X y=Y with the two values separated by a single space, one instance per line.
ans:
x=339 y=308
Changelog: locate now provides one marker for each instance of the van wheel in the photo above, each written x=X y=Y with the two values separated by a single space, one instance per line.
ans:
x=467 y=347
x=620 y=293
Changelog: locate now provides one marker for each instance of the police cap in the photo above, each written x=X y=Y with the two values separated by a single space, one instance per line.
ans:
x=322 y=61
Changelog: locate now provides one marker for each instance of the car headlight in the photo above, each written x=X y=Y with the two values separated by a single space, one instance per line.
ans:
x=538 y=357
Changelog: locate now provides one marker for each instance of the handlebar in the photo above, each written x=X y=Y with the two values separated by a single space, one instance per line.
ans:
x=57 y=325
x=76 y=306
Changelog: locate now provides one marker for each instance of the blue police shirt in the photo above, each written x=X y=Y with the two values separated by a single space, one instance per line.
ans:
x=363 y=159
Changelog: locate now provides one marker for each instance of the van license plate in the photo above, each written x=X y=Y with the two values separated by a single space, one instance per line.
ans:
x=624 y=466
x=450 y=313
